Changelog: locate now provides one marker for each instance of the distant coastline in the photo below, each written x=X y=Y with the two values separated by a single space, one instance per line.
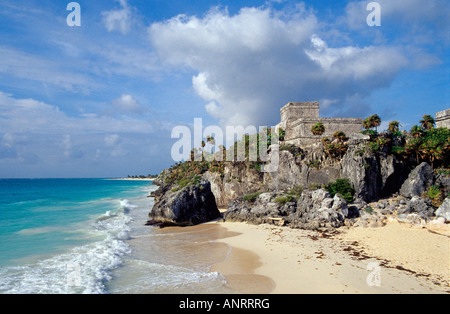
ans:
x=133 y=179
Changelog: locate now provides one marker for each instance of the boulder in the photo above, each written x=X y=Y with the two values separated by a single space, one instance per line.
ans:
x=419 y=180
x=188 y=206
x=420 y=206
x=443 y=180
x=444 y=210
x=317 y=209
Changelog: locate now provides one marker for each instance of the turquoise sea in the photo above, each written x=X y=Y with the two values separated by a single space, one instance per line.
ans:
x=65 y=236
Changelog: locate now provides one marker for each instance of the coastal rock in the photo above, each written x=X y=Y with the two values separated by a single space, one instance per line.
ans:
x=289 y=173
x=313 y=210
x=443 y=180
x=362 y=171
x=444 y=210
x=418 y=181
x=316 y=209
x=372 y=175
x=420 y=206
x=191 y=205
x=238 y=179
x=372 y=220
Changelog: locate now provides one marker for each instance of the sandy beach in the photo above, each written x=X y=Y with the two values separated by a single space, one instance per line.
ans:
x=391 y=259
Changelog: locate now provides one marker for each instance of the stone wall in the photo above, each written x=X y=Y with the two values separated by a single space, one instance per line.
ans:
x=297 y=118
x=443 y=119
x=294 y=111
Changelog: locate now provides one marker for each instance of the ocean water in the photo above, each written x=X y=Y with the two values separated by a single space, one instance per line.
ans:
x=72 y=236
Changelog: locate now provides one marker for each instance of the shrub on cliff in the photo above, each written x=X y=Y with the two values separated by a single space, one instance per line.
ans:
x=318 y=128
x=343 y=188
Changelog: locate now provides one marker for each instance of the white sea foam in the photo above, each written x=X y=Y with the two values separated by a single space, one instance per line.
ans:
x=143 y=276
x=84 y=269
x=126 y=206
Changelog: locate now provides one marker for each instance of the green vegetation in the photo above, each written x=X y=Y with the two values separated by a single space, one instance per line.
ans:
x=294 y=150
x=436 y=195
x=315 y=186
x=444 y=171
x=343 y=188
x=251 y=197
x=281 y=134
x=372 y=122
x=338 y=147
x=318 y=128
x=296 y=191
x=394 y=126
x=149 y=176
x=292 y=196
x=424 y=142
x=427 y=122
x=432 y=146
x=314 y=164
x=282 y=200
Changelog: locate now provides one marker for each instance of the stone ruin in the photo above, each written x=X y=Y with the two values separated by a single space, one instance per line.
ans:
x=443 y=119
x=297 y=119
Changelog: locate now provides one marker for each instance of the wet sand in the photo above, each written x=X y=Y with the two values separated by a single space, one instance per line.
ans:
x=210 y=249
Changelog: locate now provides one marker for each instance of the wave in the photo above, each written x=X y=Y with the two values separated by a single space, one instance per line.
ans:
x=126 y=206
x=84 y=269
x=143 y=276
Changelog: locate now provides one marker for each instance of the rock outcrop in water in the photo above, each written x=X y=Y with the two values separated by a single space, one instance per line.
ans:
x=188 y=206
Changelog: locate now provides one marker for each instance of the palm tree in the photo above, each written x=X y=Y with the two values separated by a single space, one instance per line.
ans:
x=375 y=121
x=318 y=128
x=394 y=126
x=427 y=122
x=416 y=131
x=367 y=124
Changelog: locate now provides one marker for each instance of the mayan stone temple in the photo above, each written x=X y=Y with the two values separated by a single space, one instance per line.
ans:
x=297 y=118
x=443 y=119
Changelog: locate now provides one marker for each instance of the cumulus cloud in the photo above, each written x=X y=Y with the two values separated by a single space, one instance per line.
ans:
x=250 y=64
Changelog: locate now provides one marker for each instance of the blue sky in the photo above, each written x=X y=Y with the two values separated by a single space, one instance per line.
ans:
x=100 y=100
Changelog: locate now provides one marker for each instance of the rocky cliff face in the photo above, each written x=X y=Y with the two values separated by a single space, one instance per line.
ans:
x=237 y=179
x=373 y=175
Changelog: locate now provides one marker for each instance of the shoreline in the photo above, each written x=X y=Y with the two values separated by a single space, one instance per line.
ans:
x=272 y=259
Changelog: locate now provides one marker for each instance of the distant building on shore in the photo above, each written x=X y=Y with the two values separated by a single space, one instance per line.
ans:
x=297 y=119
x=443 y=119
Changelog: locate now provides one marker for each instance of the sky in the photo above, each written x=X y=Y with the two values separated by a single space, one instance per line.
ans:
x=101 y=99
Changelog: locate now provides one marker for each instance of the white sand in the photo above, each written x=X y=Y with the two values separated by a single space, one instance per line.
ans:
x=284 y=260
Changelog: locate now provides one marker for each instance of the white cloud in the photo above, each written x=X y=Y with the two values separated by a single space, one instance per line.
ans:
x=250 y=64
x=31 y=125
x=127 y=104
x=118 y=20
x=353 y=62
x=25 y=66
